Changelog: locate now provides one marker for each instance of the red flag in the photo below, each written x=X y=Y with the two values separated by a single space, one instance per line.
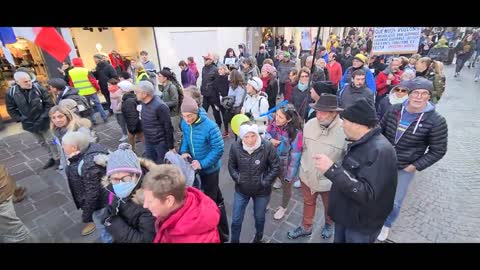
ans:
x=53 y=43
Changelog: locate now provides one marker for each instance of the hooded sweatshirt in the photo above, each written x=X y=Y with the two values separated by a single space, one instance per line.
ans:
x=407 y=118
x=194 y=222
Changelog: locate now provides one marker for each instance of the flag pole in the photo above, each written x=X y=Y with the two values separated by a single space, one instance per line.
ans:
x=313 y=61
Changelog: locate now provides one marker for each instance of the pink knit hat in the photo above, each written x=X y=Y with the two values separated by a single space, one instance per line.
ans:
x=268 y=68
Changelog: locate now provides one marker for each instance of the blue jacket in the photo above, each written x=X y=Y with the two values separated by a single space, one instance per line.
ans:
x=369 y=79
x=203 y=141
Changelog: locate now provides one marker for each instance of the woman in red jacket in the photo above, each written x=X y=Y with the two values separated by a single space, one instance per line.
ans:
x=387 y=79
x=184 y=214
x=334 y=69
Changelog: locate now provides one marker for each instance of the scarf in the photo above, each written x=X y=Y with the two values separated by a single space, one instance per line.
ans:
x=252 y=149
x=302 y=87
x=265 y=81
x=395 y=100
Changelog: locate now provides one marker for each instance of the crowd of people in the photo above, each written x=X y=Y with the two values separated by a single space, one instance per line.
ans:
x=338 y=124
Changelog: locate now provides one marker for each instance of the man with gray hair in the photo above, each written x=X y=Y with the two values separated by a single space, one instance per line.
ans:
x=156 y=123
x=29 y=103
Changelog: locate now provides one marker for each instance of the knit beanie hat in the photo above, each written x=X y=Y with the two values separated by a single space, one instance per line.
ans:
x=361 y=112
x=123 y=160
x=256 y=83
x=360 y=57
x=125 y=85
x=268 y=68
x=189 y=105
x=420 y=83
x=244 y=129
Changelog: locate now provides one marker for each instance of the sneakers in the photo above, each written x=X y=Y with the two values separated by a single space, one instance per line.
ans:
x=88 y=229
x=19 y=194
x=299 y=232
x=123 y=138
x=297 y=184
x=280 y=213
x=383 y=234
x=277 y=184
x=50 y=163
x=327 y=231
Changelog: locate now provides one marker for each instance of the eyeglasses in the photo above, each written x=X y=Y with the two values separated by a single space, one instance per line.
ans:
x=126 y=178
x=304 y=76
x=401 y=90
x=420 y=94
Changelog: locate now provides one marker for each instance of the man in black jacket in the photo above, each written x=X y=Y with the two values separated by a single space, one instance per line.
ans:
x=210 y=96
x=363 y=186
x=156 y=123
x=412 y=127
x=253 y=166
x=261 y=55
x=29 y=103
x=104 y=72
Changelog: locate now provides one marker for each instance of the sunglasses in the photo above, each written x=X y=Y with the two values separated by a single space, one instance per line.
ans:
x=401 y=90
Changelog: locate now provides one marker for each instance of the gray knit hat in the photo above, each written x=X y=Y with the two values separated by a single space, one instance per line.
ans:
x=123 y=160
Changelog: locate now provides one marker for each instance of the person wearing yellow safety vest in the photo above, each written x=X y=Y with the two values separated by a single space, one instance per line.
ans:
x=83 y=80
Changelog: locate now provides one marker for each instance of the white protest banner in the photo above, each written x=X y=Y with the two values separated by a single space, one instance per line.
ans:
x=396 y=40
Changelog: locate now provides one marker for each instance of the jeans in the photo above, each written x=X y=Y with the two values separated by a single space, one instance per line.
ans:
x=98 y=220
x=12 y=229
x=310 y=206
x=346 y=235
x=460 y=63
x=45 y=139
x=156 y=152
x=212 y=101
x=404 y=180
x=121 y=122
x=98 y=106
x=240 y=203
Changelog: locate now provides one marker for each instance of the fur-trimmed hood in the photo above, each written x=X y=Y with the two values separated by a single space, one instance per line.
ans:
x=146 y=165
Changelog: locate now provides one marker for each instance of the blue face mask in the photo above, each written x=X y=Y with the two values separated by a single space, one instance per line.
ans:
x=302 y=87
x=123 y=189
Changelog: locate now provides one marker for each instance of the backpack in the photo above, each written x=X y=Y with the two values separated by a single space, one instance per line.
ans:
x=179 y=91
x=228 y=102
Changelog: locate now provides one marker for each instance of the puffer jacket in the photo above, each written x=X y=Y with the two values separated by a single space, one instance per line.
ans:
x=156 y=123
x=195 y=222
x=130 y=113
x=33 y=113
x=254 y=173
x=350 y=94
x=208 y=76
x=256 y=105
x=318 y=139
x=289 y=151
x=203 y=141
x=364 y=185
x=86 y=188
x=130 y=222
x=7 y=185
x=429 y=131
x=272 y=92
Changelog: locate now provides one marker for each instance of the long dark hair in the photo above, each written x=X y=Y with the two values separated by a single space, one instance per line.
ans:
x=227 y=53
x=295 y=124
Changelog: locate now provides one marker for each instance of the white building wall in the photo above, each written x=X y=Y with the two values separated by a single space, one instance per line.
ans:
x=177 y=43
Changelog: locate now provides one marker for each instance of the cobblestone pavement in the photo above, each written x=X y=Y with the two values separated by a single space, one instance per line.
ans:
x=442 y=204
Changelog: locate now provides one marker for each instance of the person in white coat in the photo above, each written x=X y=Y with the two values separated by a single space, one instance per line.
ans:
x=256 y=104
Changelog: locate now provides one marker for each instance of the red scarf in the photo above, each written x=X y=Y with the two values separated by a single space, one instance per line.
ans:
x=265 y=81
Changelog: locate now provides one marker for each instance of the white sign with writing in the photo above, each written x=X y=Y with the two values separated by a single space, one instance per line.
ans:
x=396 y=40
